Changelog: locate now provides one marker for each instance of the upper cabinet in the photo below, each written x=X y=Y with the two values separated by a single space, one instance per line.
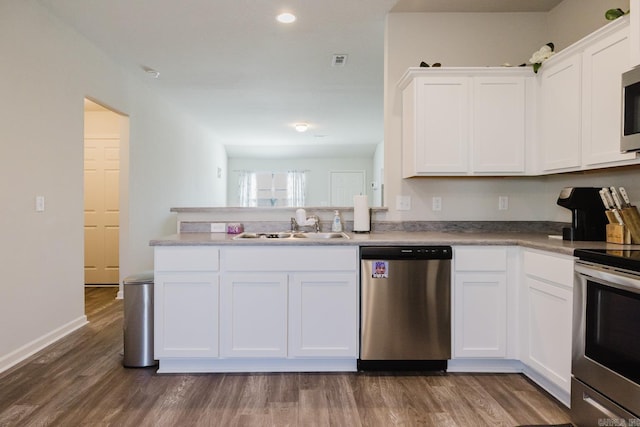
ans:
x=508 y=121
x=466 y=121
x=580 y=102
x=634 y=27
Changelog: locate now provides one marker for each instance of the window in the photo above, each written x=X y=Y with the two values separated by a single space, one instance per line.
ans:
x=270 y=189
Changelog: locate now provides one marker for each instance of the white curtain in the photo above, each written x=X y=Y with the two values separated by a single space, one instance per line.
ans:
x=247 y=189
x=296 y=188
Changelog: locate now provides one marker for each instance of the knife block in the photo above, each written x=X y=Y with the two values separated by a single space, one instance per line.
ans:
x=631 y=218
x=618 y=233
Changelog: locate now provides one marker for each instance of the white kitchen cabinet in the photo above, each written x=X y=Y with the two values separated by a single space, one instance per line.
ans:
x=580 y=102
x=465 y=121
x=289 y=302
x=547 y=301
x=499 y=127
x=323 y=321
x=560 y=113
x=480 y=302
x=186 y=302
x=634 y=27
x=603 y=63
x=253 y=315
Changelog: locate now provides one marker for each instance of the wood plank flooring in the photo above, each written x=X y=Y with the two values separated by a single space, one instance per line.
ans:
x=80 y=381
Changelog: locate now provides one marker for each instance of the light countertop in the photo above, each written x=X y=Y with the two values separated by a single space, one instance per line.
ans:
x=398 y=238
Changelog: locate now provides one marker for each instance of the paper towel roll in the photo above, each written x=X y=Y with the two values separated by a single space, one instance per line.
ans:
x=361 y=220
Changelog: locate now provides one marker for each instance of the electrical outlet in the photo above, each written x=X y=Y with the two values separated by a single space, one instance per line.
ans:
x=39 y=203
x=403 y=203
x=218 y=227
x=503 y=203
x=436 y=203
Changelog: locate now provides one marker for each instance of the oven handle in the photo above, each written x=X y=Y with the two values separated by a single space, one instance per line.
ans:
x=616 y=279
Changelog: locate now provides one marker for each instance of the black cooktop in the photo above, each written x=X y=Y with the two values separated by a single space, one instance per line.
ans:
x=629 y=259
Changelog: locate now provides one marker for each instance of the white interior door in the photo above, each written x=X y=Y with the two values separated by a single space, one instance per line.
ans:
x=101 y=211
x=344 y=185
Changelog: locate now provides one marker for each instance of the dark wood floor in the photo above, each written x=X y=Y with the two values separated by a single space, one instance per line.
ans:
x=79 y=381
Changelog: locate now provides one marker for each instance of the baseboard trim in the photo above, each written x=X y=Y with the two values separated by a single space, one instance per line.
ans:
x=10 y=360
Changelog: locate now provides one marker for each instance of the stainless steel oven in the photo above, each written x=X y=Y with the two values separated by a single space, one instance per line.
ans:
x=605 y=386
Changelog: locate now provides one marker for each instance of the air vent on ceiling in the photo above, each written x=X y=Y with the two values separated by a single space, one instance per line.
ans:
x=339 y=60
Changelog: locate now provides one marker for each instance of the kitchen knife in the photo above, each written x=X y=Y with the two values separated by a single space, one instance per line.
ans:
x=618 y=217
x=625 y=197
x=605 y=202
x=607 y=194
x=616 y=198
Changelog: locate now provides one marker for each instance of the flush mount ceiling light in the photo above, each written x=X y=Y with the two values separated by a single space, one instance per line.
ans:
x=151 y=72
x=286 y=18
x=301 y=127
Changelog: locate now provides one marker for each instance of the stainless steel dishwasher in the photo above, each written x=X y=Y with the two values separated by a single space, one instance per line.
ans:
x=405 y=313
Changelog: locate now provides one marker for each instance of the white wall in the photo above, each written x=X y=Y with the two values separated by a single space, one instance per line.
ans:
x=317 y=174
x=47 y=70
x=571 y=20
x=479 y=40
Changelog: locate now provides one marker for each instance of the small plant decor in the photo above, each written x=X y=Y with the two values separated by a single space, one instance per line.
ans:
x=613 y=14
x=541 y=55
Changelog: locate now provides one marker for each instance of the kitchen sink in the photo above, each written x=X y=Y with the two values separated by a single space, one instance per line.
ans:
x=331 y=235
x=280 y=235
x=265 y=235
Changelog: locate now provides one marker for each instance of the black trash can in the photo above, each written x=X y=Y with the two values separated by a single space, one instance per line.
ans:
x=138 y=320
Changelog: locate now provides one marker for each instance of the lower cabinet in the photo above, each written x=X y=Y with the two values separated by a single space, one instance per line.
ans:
x=322 y=318
x=253 y=315
x=545 y=335
x=480 y=302
x=186 y=302
x=186 y=317
x=253 y=308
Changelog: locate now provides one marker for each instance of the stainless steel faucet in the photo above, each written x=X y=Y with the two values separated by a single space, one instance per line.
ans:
x=316 y=223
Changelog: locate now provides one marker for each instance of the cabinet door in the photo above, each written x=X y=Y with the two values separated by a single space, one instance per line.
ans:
x=323 y=315
x=186 y=314
x=603 y=64
x=253 y=315
x=548 y=331
x=499 y=125
x=560 y=111
x=442 y=125
x=480 y=315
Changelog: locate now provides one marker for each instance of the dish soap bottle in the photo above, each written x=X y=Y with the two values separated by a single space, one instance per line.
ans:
x=336 y=225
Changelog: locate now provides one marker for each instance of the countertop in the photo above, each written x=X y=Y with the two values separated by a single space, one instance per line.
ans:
x=396 y=238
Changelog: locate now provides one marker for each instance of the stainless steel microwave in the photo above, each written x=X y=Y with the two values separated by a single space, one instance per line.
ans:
x=630 y=140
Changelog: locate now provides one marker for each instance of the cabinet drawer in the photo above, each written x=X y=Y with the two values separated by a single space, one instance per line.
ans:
x=290 y=259
x=551 y=268
x=480 y=258
x=186 y=258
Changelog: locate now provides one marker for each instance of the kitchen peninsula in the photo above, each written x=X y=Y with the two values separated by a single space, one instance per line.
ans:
x=274 y=305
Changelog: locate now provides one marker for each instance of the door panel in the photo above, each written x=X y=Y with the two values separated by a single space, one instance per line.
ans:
x=101 y=210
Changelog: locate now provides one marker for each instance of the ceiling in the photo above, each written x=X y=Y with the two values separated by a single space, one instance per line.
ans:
x=249 y=79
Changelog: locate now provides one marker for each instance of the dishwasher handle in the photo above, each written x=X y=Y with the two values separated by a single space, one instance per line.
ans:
x=406 y=252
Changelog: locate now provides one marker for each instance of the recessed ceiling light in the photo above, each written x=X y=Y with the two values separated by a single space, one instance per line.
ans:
x=301 y=127
x=286 y=18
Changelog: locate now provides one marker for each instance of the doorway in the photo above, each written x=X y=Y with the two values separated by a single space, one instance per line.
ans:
x=343 y=185
x=103 y=135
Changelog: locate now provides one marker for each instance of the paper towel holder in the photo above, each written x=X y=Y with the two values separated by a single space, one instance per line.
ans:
x=361 y=214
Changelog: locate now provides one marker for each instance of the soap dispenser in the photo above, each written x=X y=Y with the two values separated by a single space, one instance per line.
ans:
x=336 y=225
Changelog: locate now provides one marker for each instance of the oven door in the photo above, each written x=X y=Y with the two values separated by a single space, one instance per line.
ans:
x=606 y=333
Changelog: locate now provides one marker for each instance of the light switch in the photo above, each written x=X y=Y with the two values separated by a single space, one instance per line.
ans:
x=436 y=203
x=39 y=203
x=503 y=203
x=403 y=203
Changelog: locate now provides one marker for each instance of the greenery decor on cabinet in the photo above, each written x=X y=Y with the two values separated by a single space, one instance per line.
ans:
x=541 y=55
x=613 y=14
